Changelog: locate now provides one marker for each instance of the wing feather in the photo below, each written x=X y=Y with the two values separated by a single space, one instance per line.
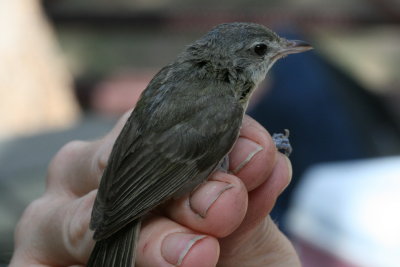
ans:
x=154 y=160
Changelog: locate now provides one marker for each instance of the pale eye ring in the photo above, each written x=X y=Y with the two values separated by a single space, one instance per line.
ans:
x=260 y=49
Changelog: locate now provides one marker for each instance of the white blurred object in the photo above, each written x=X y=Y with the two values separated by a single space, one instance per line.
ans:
x=351 y=211
x=35 y=86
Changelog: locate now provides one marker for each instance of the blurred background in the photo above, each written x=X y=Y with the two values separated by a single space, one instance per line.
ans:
x=69 y=69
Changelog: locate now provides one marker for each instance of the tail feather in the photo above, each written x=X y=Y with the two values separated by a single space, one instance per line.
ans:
x=118 y=250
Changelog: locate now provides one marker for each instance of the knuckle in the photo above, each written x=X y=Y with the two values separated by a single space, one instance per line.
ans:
x=102 y=154
x=75 y=232
x=63 y=158
x=76 y=229
x=32 y=213
x=70 y=149
x=33 y=208
x=101 y=159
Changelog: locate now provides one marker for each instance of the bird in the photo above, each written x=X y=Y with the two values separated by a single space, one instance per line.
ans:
x=181 y=130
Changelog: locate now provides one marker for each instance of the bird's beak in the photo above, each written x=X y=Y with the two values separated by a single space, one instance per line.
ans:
x=292 y=47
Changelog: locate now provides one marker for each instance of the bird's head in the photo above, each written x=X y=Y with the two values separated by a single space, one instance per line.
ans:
x=247 y=48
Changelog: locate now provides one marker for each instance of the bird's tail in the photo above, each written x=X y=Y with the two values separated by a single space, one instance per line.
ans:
x=118 y=250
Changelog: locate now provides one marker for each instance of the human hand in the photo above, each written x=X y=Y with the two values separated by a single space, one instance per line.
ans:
x=234 y=228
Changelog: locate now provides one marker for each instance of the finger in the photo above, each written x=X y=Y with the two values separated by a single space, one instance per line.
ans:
x=78 y=166
x=253 y=156
x=165 y=243
x=55 y=231
x=69 y=226
x=263 y=198
x=264 y=245
x=78 y=239
x=216 y=207
x=74 y=169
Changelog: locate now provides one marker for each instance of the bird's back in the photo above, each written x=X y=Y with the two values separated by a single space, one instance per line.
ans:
x=172 y=141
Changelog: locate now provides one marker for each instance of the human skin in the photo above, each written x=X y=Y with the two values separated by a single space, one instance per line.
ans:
x=224 y=222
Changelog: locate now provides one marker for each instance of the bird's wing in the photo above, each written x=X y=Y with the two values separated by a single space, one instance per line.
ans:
x=146 y=167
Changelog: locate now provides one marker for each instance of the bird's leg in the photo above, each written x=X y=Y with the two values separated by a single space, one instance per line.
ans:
x=224 y=164
x=282 y=142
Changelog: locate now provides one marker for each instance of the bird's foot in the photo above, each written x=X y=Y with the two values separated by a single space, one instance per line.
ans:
x=282 y=142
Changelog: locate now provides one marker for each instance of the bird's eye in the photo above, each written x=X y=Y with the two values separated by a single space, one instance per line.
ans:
x=261 y=49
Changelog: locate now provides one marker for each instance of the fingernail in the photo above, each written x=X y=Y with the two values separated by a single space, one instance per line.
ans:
x=175 y=246
x=203 y=197
x=243 y=151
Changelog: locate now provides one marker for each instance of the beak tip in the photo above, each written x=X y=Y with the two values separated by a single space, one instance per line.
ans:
x=293 y=47
x=299 y=44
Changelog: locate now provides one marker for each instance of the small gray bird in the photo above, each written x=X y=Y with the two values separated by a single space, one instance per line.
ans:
x=185 y=123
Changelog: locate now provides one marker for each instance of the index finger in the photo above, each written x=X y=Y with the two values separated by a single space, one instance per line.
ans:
x=77 y=168
x=253 y=157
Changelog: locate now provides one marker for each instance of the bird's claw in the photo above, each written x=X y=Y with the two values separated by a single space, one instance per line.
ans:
x=282 y=142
